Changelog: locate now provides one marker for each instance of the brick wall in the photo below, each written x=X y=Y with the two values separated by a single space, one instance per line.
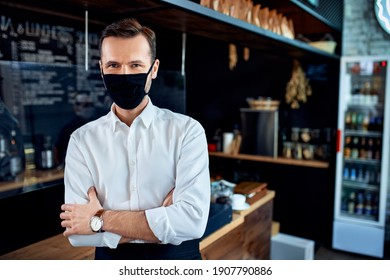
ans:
x=362 y=34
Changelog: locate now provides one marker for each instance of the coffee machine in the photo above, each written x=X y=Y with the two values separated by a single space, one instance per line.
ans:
x=259 y=128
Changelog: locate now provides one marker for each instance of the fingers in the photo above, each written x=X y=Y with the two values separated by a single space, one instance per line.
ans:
x=91 y=192
x=67 y=207
x=168 y=199
x=67 y=232
x=92 y=195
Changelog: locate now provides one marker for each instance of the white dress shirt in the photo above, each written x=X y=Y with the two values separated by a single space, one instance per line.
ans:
x=134 y=168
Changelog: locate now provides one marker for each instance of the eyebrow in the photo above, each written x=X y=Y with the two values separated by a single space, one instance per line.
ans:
x=130 y=62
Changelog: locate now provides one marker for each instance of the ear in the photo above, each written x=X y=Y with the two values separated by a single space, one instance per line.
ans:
x=155 y=68
x=101 y=68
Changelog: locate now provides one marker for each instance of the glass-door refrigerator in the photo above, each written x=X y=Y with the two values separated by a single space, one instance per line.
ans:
x=362 y=160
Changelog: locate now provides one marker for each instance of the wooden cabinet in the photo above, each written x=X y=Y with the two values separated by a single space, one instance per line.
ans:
x=248 y=236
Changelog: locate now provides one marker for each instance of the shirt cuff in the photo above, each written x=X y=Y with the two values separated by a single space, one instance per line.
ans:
x=101 y=239
x=159 y=224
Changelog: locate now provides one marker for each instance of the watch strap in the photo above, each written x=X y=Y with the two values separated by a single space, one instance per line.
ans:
x=99 y=213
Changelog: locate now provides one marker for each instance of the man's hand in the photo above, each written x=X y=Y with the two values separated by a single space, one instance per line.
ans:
x=76 y=217
x=168 y=200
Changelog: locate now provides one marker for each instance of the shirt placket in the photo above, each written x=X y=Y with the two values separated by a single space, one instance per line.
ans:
x=132 y=156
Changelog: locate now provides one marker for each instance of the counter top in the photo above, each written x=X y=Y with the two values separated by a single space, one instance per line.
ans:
x=30 y=180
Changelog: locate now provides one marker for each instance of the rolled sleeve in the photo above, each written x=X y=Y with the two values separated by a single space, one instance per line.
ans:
x=103 y=239
x=187 y=217
x=159 y=223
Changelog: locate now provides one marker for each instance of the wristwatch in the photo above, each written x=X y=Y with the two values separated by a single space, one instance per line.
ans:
x=96 y=222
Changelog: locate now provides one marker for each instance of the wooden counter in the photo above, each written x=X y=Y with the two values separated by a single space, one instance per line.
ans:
x=248 y=236
x=30 y=180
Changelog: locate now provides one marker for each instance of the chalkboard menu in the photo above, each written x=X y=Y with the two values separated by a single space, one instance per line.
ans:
x=43 y=64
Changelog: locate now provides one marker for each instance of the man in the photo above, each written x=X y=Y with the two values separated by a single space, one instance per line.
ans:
x=137 y=184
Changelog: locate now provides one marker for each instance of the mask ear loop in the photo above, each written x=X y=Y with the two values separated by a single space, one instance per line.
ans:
x=102 y=74
x=147 y=74
x=151 y=67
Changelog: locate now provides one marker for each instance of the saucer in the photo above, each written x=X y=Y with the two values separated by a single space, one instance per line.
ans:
x=242 y=207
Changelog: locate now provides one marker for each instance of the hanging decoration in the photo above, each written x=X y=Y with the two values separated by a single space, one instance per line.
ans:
x=298 y=87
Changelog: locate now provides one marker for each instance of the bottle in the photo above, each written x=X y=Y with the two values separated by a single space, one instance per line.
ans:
x=344 y=203
x=371 y=124
x=359 y=121
x=367 y=176
x=3 y=146
x=362 y=151
x=368 y=205
x=348 y=120
x=351 y=203
x=347 y=147
x=346 y=173
x=217 y=139
x=360 y=175
x=47 y=155
x=355 y=148
x=359 y=207
x=29 y=152
x=15 y=158
x=379 y=123
x=370 y=149
x=366 y=122
x=352 y=175
x=377 y=149
x=353 y=120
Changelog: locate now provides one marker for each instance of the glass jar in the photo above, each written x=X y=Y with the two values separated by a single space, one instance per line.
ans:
x=287 y=149
x=305 y=135
x=297 y=150
x=315 y=136
x=295 y=134
x=308 y=151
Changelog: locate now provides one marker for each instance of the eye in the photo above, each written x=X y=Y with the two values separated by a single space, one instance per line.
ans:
x=136 y=66
x=112 y=65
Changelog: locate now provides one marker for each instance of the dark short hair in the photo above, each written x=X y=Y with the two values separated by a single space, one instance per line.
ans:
x=128 y=28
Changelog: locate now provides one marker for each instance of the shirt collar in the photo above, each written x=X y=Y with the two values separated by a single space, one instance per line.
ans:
x=146 y=116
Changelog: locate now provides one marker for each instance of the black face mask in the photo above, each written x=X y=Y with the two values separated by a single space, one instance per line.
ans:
x=126 y=90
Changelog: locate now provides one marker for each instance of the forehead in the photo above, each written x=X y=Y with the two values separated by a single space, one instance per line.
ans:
x=118 y=48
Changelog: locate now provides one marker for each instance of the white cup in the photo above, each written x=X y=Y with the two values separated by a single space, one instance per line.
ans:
x=239 y=201
x=227 y=141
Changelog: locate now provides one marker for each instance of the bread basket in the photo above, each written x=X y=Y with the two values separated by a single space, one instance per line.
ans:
x=263 y=104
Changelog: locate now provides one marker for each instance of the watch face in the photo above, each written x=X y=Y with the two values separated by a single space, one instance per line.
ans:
x=96 y=223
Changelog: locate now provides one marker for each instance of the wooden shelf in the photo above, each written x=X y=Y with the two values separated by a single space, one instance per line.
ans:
x=279 y=160
x=183 y=16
